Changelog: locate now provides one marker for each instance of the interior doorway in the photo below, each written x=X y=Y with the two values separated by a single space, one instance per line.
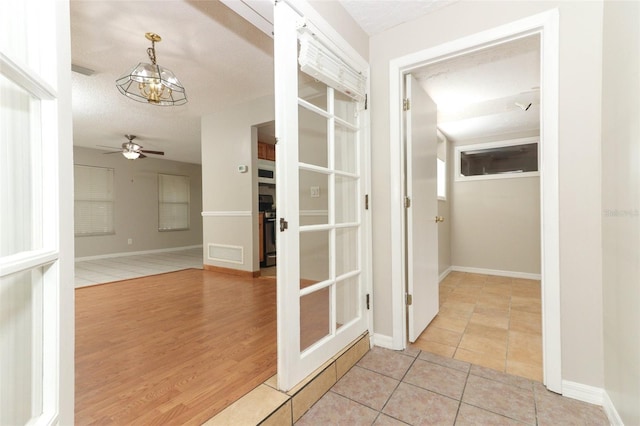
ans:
x=488 y=114
x=266 y=176
x=546 y=26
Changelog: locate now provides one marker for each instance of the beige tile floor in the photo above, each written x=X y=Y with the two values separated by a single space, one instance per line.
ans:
x=420 y=388
x=489 y=321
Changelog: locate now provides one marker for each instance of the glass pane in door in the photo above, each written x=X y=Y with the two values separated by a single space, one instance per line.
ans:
x=20 y=193
x=346 y=199
x=21 y=327
x=314 y=257
x=314 y=317
x=345 y=108
x=312 y=138
x=347 y=250
x=346 y=153
x=314 y=198
x=312 y=91
x=347 y=293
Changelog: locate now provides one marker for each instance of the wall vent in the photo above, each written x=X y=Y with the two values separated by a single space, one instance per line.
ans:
x=225 y=253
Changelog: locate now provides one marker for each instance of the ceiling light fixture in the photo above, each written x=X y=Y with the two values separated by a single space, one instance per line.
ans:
x=152 y=83
x=131 y=155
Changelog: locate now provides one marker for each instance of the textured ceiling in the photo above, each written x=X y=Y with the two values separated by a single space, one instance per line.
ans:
x=376 y=16
x=477 y=93
x=219 y=57
x=222 y=60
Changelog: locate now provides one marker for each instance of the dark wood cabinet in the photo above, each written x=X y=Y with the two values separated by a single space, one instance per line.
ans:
x=266 y=151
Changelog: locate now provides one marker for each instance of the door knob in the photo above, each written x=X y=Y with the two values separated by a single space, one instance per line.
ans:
x=439 y=219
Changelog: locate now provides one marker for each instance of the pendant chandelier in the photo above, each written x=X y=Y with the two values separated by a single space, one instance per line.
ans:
x=152 y=83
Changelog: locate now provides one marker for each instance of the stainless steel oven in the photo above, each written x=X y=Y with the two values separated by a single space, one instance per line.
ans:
x=269 y=228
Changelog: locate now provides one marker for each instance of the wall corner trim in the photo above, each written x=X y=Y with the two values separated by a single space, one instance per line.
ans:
x=444 y=274
x=581 y=392
x=497 y=272
x=136 y=253
x=383 y=341
x=226 y=213
x=610 y=410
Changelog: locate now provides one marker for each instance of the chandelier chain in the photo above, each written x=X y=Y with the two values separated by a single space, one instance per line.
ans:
x=151 y=51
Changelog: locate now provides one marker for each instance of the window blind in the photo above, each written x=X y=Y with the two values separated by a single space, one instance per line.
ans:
x=173 y=202
x=94 y=200
x=324 y=65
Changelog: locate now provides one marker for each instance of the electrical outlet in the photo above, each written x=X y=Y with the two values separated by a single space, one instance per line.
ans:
x=315 y=192
x=130 y=241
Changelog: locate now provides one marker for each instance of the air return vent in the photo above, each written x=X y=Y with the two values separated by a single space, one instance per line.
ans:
x=225 y=253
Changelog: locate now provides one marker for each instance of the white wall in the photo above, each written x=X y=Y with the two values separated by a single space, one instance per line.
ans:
x=136 y=205
x=621 y=207
x=444 y=236
x=496 y=222
x=341 y=21
x=579 y=132
x=230 y=198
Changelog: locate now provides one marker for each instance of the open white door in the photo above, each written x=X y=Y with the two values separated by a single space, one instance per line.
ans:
x=422 y=208
x=36 y=215
x=321 y=171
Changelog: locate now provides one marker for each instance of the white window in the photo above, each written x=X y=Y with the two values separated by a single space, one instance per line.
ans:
x=441 y=162
x=497 y=160
x=94 y=200
x=173 y=207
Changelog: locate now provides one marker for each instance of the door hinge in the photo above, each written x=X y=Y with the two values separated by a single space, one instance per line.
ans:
x=409 y=299
x=366 y=101
x=283 y=224
x=407 y=202
x=276 y=143
x=406 y=104
x=366 y=202
x=368 y=302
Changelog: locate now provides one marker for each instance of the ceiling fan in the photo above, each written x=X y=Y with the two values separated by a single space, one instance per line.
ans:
x=132 y=150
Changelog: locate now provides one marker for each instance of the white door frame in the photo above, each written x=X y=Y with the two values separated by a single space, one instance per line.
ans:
x=547 y=25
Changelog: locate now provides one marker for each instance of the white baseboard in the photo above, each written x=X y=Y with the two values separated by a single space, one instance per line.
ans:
x=382 y=340
x=497 y=272
x=610 y=410
x=584 y=393
x=444 y=274
x=134 y=253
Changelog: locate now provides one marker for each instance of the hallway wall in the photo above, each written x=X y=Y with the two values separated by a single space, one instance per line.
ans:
x=621 y=207
x=580 y=65
x=230 y=198
x=496 y=222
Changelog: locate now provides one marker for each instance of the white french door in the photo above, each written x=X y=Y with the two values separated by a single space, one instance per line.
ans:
x=32 y=45
x=321 y=181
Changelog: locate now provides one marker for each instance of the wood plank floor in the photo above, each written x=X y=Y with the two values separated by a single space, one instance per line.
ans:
x=171 y=349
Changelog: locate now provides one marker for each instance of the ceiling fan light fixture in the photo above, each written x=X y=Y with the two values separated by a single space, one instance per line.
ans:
x=152 y=83
x=131 y=155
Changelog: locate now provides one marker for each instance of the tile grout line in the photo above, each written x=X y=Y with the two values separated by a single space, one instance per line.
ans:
x=397 y=386
x=466 y=380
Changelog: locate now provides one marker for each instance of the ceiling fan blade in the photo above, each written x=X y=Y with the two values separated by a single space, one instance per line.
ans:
x=113 y=152
x=142 y=156
x=108 y=147
x=146 y=151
